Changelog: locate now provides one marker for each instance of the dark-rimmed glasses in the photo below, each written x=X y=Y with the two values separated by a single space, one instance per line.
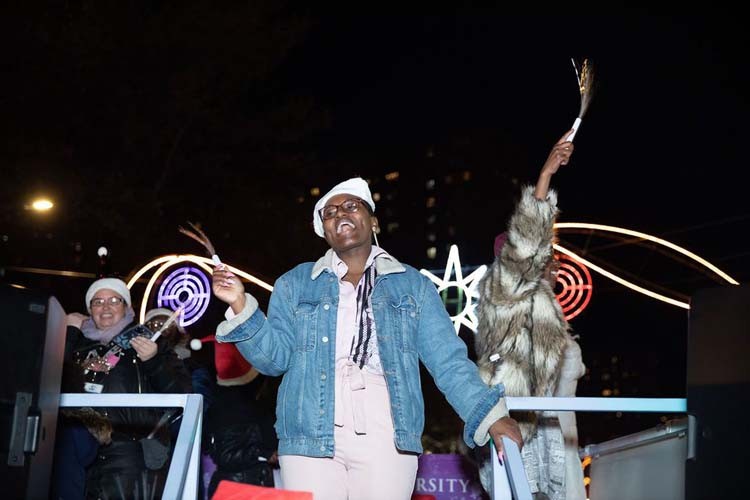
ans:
x=348 y=206
x=112 y=301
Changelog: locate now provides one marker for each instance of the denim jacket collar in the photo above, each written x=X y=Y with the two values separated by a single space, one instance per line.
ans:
x=384 y=263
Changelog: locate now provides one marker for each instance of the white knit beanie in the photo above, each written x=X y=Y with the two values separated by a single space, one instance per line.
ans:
x=159 y=311
x=116 y=285
x=355 y=186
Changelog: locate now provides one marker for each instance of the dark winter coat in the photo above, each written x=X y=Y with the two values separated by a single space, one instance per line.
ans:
x=122 y=465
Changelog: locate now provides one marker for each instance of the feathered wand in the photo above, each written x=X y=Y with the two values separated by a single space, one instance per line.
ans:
x=585 y=79
x=198 y=235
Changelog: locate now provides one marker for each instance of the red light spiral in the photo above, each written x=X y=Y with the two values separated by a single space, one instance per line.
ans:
x=575 y=285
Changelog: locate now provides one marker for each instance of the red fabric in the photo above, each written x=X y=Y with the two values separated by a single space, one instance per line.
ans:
x=422 y=496
x=230 y=364
x=230 y=490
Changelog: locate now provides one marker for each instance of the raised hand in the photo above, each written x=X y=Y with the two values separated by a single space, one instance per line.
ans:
x=75 y=319
x=559 y=155
x=228 y=288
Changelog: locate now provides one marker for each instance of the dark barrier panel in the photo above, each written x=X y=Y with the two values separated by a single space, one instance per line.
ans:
x=32 y=342
x=718 y=391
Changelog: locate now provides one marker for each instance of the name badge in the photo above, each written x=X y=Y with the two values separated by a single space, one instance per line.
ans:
x=91 y=387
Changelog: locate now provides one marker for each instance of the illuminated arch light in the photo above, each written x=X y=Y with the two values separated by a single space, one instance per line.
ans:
x=188 y=289
x=467 y=285
x=637 y=234
x=577 y=287
x=622 y=281
x=168 y=261
x=659 y=241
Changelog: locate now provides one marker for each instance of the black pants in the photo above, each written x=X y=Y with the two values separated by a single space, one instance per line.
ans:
x=120 y=473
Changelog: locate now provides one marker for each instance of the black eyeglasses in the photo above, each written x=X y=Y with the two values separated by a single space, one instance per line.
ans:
x=348 y=206
x=112 y=301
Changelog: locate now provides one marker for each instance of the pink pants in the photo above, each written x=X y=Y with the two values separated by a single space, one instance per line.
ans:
x=366 y=464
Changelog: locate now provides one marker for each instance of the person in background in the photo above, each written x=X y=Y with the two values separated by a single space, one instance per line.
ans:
x=175 y=334
x=348 y=333
x=105 y=354
x=201 y=377
x=523 y=340
x=238 y=429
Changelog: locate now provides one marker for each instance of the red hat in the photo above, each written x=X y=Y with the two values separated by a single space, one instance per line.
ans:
x=231 y=367
x=500 y=240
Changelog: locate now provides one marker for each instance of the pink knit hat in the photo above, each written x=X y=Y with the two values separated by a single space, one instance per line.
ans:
x=500 y=240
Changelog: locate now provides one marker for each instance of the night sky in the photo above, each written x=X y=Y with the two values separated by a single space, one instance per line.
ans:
x=136 y=119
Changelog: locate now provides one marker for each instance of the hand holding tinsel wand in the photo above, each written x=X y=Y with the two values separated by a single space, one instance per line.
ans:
x=225 y=286
x=198 y=235
x=585 y=79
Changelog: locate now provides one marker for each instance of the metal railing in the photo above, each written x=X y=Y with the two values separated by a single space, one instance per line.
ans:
x=509 y=481
x=184 y=469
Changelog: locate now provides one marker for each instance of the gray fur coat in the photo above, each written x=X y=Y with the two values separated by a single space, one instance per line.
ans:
x=519 y=316
x=522 y=340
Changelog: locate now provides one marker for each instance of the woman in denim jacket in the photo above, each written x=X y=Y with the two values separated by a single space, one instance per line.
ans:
x=347 y=333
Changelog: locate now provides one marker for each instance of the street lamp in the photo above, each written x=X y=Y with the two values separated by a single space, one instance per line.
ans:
x=41 y=205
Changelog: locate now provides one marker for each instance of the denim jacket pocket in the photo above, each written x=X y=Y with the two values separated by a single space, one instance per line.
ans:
x=306 y=323
x=405 y=320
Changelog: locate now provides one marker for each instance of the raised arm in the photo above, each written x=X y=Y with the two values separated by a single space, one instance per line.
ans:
x=559 y=155
x=522 y=259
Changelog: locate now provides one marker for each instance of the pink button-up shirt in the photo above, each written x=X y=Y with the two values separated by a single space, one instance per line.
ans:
x=346 y=319
x=348 y=373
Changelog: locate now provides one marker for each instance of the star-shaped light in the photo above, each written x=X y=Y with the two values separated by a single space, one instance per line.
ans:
x=468 y=285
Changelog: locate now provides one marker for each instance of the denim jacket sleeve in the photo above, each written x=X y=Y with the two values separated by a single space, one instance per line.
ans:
x=265 y=341
x=445 y=356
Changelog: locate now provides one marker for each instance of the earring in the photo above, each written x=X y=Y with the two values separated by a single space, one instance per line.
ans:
x=375 y=234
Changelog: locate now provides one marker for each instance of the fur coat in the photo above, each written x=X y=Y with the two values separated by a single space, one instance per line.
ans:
x=523 y=338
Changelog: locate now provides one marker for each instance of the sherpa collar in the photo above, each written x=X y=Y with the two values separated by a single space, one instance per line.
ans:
x=384 y=263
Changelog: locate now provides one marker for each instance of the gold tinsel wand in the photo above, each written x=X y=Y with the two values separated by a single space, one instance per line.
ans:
x=585 y=79
x=198 y=235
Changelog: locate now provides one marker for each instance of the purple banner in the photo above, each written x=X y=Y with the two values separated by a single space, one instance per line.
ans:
x=447 y=477
x=207 y=469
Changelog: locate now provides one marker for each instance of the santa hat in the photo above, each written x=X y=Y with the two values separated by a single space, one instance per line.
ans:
x=116 y=285
x=356 y=186
x=231 y=367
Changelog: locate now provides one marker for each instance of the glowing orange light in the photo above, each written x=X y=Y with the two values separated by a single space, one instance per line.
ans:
x=622 y=281
x=654 y=239
x=42 y=205
x=637 y=234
